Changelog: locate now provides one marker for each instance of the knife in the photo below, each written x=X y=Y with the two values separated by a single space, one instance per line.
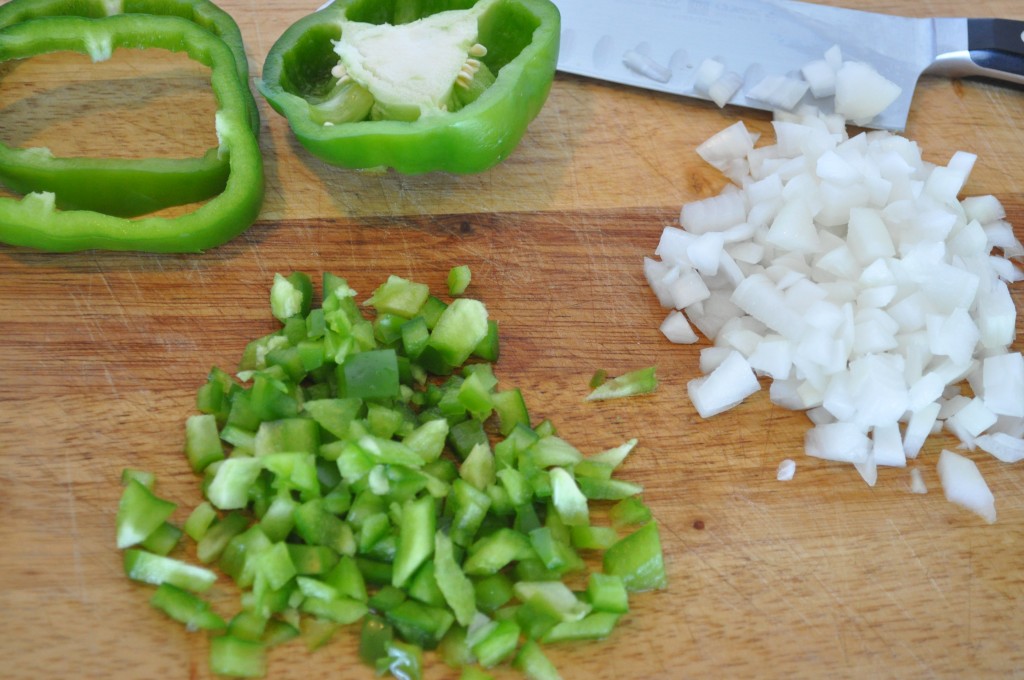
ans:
x=661 y=44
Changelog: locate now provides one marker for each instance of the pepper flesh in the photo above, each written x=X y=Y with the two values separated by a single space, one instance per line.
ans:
x=116 y=186
x=33 y=221
x=521 y=41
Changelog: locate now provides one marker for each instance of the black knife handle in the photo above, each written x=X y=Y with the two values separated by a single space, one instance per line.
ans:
x=997 y=47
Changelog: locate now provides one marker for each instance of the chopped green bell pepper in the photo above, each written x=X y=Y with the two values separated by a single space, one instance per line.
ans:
x=638 y=560
x=237 y=657
x=189 y=609
x=140 y=513
x=148 y=567
x=350 y=80
x=357 y=508
x=124 y=187
x=34 y=221
x=640 y=381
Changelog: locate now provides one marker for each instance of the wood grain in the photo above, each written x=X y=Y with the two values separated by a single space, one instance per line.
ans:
x=821 y=576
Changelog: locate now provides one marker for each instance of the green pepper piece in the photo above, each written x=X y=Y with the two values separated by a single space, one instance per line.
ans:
x=200 y=520
x=497 y=644
x=458 y=590
x=607 y=489
x=375 y=636
x=248 y=625
x=317 y=632
x=154 y=569
x=630 y=510
x=229 y=489
x=520 y=38
x=468 y=507
x=458 y=331
x=163 y=540
x=216 y=538
x=593 y=538
x=187 y=608
x=459 y=278
x=124 y=187
x=415 y=538
x=202 y=441
x=488 y=348
x=370 y=375
x=399 y=296
x=343 y=610
x=237 y=657
x=552 y=598
x=311 y=559
x=596 y=626
x=143 y=477
x=640 y=381
x=140 y=513
x=637 y=559
x=534 y=664
x=419 y=623
x=35 y=222
x=607 y=593
x=278 y=631
x=401 y=660
x=495 y=551
x=290 y=296
x=423 y=586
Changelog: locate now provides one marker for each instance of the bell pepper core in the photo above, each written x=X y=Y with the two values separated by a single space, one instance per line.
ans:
x=124 y=187
x=357 y=113
x=34 y=221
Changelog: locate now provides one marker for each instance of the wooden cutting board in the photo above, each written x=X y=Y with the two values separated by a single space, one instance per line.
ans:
x=822 y=576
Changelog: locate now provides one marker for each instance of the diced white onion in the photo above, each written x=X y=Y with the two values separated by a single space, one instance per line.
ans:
x=1003 y=384
x=786 y=470
x=723 y=89
x=963 y=484
x=780 y=92
x=917 y=484
x=820 y=77
x=646 y=66
x=850 y=273
x=862 y=92
x=709 y=71
x=677 y=329
x=728 y=385
x=844 y=442
x=1005 y=447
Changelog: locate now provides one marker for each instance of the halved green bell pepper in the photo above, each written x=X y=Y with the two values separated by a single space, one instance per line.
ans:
x=34 y=220
x=117 y=186
x=343 y=111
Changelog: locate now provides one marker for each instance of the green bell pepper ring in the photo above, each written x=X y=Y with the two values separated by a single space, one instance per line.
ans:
x=33 y=220
x=124 y=187
x=467 y=124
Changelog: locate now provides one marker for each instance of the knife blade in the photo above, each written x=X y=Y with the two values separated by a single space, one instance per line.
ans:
x=604 y=39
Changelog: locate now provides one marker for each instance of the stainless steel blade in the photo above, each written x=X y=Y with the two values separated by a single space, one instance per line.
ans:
x=753 y=38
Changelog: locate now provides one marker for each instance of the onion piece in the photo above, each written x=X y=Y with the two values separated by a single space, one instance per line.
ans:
x=728 y=385
x=677 y=329
x=646 y=66
x=780 y=92
x=709 y=71
x=723 y=89
x=1003 y=446
x=786 y=470
x=917 y=484
x=862 y=92
x=963 y=484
